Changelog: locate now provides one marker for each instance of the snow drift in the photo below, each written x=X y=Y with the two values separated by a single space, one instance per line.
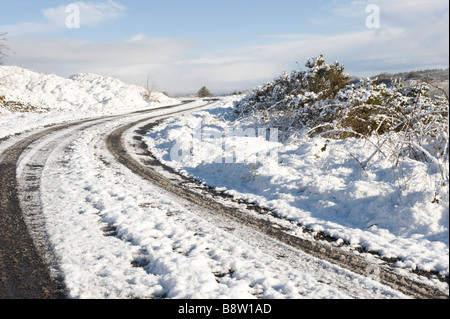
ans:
x=29 y=100
x=80 y=92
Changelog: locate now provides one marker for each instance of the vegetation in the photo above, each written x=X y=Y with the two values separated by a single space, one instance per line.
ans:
x=3 y=47
x=400 y=120
x=204 y=92
x=14 y=106
x=149 y=87
x=295 y=100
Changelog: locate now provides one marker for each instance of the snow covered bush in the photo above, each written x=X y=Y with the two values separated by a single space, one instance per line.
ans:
x=399 y=121
x=402 y=121
x=296 y=100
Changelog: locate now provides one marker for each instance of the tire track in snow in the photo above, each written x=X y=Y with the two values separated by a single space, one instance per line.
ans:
x=340 y=280
x=151 y=170
x=27 y=268
x=24 y=270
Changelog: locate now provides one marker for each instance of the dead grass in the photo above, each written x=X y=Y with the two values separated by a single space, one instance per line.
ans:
x=15 y=106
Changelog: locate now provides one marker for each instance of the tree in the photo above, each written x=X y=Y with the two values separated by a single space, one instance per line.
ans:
x=3 y=47
x=204 y=92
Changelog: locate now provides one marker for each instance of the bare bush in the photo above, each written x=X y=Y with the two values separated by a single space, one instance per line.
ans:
x=149 y=87
x=3 y=47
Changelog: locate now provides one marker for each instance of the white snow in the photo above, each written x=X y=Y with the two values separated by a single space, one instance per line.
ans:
x=60 y=99
x=318 y=183
x=162 y=247
x=183 y=255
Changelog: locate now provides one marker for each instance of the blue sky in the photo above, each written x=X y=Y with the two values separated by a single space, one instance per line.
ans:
x=226 y=45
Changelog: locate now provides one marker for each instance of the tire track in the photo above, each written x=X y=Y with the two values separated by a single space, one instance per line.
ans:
x=26 y=270
x=24 y=273
x=182 y=187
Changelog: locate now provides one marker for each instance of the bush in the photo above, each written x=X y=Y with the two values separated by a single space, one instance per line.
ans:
x=3 y=47
x=320 y=101
x=296 y=99
x=204 y=92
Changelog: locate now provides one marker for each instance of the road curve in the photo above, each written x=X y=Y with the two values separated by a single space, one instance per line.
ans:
x=24 y=269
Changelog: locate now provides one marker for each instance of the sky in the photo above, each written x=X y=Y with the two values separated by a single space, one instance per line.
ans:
x=179 y=46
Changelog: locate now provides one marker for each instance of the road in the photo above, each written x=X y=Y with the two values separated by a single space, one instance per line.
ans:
x=32 y=264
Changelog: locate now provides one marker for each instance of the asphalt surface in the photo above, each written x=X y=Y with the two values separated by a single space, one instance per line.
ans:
x=23 y=272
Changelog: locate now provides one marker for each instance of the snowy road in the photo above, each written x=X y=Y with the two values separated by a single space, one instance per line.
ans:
x=112 y=223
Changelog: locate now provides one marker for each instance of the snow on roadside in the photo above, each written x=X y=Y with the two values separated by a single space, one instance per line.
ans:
x=316 y=182
x=55 y=99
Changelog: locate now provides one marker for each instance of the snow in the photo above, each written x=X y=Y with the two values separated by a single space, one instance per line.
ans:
x=115 y=235
x=316 y=182
x=163 y=248
x=61 y=99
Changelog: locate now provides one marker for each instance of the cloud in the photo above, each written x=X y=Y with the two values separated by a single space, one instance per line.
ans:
x=22 y=28
x=413 y=35
x=174 y=68
x=91 y=14
x=87 y=55
x=131 y=60
x=138 y=37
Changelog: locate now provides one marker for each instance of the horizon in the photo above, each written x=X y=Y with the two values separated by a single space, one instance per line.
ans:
x=226 y=46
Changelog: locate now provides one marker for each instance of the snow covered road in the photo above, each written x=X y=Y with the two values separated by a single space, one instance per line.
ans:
x=107 y=232
x=22 y=158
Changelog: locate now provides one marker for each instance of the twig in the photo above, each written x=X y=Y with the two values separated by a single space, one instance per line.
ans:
x=359 y=162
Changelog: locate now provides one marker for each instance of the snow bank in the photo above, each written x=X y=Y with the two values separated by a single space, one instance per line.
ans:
x=318 y=183
x=80 y=92
x=62 y=99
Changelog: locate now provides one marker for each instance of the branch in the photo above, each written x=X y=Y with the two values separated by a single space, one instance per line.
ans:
x=359 y=162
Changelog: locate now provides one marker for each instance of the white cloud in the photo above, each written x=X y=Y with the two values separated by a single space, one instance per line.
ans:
x=138 y=37
x=353 y=9
x=91 y=14
x=398 y=13
x=132 y=59
x=22 y=28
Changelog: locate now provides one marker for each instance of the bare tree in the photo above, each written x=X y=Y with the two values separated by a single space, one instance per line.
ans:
x=149 y=87
x=3 y=47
